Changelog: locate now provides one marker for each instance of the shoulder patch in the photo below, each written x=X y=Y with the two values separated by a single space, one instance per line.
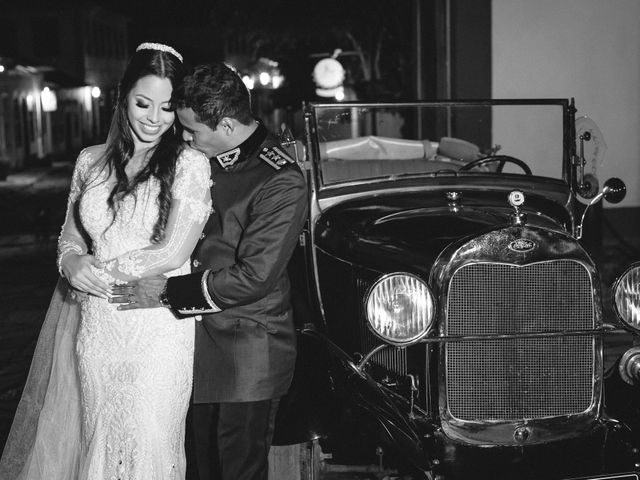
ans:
x=275 y=156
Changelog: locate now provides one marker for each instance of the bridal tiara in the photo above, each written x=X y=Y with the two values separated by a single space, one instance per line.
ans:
x=161 y=47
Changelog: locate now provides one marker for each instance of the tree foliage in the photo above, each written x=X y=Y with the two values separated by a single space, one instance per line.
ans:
x=375 y=36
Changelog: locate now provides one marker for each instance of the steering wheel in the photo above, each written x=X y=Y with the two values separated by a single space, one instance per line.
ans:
x=496 y=158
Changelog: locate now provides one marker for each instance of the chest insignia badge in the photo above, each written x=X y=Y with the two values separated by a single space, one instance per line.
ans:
x=228 y=158
x=275 y=157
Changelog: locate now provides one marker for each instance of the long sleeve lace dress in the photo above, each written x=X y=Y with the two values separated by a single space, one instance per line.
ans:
x=134 y=367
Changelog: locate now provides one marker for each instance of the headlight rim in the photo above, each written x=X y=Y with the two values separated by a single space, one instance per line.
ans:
x=432 y=297
x=614 y=290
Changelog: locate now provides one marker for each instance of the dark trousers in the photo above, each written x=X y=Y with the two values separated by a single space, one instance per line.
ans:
x=232 y=440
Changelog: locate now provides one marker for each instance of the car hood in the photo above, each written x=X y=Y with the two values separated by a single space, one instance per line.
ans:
x=398 y=234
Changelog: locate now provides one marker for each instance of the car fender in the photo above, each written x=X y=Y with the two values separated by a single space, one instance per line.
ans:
x=382 y=411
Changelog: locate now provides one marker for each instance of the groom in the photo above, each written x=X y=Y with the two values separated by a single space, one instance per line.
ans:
x=245 y=343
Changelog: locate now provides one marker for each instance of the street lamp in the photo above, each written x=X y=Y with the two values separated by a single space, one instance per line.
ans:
x=264 y=78
x=248 y=81
x=276 y=80
x=49 y=100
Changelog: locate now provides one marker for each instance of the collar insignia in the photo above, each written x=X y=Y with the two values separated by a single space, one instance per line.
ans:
x=228 y=158
x=275 y=157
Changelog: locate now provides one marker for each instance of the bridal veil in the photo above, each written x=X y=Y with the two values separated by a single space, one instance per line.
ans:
x=45 y=438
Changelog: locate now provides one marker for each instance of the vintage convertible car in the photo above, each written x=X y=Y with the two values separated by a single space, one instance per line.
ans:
x=453 y=323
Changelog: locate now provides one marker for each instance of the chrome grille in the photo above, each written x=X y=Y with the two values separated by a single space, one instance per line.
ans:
x=526 y=378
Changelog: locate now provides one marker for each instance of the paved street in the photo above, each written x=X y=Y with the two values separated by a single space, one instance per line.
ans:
x=27 y=281
x=32 y=206
x=34 y=202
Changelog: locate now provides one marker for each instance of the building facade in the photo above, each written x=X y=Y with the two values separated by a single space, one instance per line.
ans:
x=59 y=69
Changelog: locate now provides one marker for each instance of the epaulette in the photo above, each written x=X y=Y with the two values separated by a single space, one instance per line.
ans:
x=275 y=157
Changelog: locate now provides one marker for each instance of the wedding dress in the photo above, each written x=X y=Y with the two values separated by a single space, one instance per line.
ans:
x=113 y=390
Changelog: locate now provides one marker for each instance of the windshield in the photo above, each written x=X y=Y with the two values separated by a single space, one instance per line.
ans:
x=364 y=142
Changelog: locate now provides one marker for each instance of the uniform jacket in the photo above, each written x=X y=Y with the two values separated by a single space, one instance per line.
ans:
x=245 y=343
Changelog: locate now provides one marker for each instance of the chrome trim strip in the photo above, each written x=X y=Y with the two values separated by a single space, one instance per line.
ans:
x=315 y=211
x=558 y=333
x=327 y=202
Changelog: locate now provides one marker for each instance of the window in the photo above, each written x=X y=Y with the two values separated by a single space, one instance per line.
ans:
x=17 y=123
x=3 y=137
x=44 y=116
x=6 y=127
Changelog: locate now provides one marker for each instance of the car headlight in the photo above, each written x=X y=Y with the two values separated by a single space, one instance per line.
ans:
x=626 y=295
x=400 y=308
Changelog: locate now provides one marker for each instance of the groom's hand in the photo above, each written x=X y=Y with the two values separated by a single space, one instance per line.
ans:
x=143 y=293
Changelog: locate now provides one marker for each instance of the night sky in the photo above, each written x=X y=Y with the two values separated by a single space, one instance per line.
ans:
x=294 y=33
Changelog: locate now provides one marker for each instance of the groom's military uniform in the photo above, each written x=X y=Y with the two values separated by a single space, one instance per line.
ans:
x=245 y=343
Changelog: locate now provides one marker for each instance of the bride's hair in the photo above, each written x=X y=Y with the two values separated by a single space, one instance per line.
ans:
x=163 y=63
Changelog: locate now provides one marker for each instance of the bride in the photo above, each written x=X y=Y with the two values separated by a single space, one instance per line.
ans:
x=110 y=389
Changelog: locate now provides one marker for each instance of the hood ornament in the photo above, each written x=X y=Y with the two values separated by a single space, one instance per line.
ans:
x=516 y=200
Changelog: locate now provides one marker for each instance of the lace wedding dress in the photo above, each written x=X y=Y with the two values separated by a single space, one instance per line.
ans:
x=134 y=367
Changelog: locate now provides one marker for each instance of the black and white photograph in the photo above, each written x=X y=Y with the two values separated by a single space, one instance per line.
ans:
x=320 y=240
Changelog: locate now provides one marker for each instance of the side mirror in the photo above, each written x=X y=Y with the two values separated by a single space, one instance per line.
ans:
x=614 y=190
x=589 y=187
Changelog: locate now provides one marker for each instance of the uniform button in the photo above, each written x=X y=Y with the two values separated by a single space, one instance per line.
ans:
x=196 y=263
x=202 y=235
x=212 y=211
x=211 y=183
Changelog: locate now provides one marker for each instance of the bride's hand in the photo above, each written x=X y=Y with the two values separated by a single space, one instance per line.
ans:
x=77 y=269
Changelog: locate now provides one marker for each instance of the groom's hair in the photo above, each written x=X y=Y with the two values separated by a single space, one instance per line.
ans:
x=214 y=91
